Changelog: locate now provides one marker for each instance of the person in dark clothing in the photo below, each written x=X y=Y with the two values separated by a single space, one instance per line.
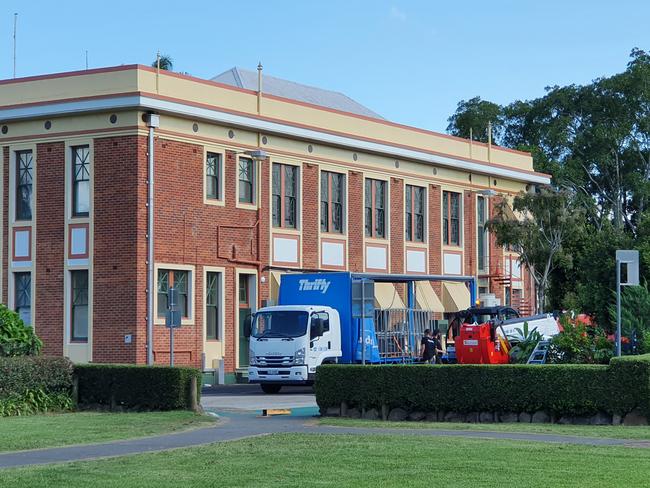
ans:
x=438 y=350
x=427 y=347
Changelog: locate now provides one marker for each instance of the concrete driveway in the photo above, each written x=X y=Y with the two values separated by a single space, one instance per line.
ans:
x=251 y=398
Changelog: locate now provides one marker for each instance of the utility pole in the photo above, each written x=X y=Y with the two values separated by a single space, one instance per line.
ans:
x=15 y=25
x=86 y=59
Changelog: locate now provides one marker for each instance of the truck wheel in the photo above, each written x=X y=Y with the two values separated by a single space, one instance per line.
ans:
x=271 y=388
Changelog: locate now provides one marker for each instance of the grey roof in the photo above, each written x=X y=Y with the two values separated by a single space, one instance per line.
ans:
x=243 y=78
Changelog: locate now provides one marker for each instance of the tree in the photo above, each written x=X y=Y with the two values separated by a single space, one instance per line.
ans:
x=166 y=62
x=546 y=221
x=476 y=114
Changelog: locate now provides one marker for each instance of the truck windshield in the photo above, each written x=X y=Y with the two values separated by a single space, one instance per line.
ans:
x=280 y=323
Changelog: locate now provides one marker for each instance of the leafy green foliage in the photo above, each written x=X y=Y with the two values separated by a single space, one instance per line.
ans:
x=594 y=140
x=30 y=385
x=635 y=314
x=473 y=116
x=567 y=389
x=524 y=342
x=16 y=339
x=578 y=343
x=135 y=387
x=31 y=402
x=546 y=221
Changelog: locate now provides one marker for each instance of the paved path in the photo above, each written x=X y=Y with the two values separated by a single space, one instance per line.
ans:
x=241 y=425
x=251 y=397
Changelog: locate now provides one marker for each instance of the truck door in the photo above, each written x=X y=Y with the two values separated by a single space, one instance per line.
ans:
x=319 y=345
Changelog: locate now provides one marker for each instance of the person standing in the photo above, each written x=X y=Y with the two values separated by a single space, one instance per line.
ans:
x=427 y=347
x=438 y=350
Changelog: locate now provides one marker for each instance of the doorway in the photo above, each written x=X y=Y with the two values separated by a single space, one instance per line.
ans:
x=246 y=297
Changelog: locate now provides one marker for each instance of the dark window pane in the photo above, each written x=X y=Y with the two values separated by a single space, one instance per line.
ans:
x=212 y=175
x=79 y=300
x=23 y=296
x=246 y=180
x=418 y=205
x=276 y=195
x=290 y=193
x=368 y=207
x=324 y=201
x=243 y=289
x=80 y=181
x=212 y=306
x=24 y=178
x=163 y=288
x=380 y=202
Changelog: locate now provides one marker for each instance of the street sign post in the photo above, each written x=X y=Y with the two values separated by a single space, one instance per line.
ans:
x=172 y=319
x=630 y=260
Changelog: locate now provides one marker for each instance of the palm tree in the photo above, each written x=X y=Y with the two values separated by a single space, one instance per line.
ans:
x=166 y=62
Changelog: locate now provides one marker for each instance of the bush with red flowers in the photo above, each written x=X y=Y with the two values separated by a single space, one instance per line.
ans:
x=580 y=342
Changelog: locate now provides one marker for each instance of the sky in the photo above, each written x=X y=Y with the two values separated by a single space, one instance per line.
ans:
x=410 y=61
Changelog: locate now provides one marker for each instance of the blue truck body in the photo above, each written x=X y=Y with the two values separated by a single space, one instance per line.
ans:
x=335 y=289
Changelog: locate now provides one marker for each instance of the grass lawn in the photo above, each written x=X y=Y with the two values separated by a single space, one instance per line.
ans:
x=303 y=460
x=32 y=432
x=616 y=432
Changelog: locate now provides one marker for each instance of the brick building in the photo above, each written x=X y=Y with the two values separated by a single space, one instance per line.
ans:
x=248 y=184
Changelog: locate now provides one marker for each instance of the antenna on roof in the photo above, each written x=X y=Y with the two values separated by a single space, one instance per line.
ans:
x=157 y=71
x=15 y=23
x=259 y=87
x=86 y=58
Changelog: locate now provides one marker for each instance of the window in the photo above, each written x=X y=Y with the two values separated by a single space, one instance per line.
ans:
x=166 y=280
x=23 y=296
x=415 y=213
x=331 y=201
x=79 y=301
x=212 y=176
x=243 y=290
x=80 y=181
x=481 y=233
x=212 y=306
x=24 y=179
x=284 y=195
x=246 y=180
x=451 y=218
x=375 y=208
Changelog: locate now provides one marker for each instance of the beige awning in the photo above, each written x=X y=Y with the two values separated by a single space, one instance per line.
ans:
x=386 y=296
x=426 y=298
x=455 y=296
x=274 y=288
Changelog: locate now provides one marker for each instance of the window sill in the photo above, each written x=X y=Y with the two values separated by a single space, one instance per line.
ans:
x=214 y=202
x=246 y=206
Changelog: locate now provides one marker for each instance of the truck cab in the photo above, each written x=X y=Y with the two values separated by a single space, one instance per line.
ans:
x=288 y=343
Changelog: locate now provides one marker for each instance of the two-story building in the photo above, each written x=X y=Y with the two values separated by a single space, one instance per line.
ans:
x=240 y=182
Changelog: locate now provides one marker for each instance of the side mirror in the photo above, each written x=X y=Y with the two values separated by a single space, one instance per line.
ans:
x=248 y=325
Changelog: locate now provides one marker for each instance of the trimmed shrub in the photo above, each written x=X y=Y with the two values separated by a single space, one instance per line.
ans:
x=16 y=339
x=567 y=389
x=31 y=385
x=135 y=387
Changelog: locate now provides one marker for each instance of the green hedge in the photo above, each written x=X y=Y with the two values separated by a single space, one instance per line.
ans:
x=30 y=385
x=135 y=387
x=567 y=389
x=34 y=373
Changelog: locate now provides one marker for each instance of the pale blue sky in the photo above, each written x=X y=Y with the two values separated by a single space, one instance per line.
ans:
x=410 y=61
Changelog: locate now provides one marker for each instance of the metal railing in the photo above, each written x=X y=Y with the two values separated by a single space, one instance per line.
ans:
x=399 y=332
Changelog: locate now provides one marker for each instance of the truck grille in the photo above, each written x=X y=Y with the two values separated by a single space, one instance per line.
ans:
x=274 y=360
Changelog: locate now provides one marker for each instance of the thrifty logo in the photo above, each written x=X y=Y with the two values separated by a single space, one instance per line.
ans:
x=314 y=285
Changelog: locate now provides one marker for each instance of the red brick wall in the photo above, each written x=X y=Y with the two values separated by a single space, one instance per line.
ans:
x=119 y=254
x=187 y=232
x=396 y=219
x=5 y=224
x=355 y=221
x=310 y=216
x=469 y=228
x=50 y=235
x=435 y=234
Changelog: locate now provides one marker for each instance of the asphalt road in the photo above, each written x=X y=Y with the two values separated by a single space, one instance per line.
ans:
x=247 y=398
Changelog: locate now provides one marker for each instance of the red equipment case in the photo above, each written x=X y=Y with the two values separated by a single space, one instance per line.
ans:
x=480 y=344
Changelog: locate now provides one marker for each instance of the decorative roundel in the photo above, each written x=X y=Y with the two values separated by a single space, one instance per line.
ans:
x=113 y=118
x=48 y=125
x=265 y=140
x=434 y=171
x=354 y=156
x=310 y=148
x=396 y=163
x=195 y=127
x=5 y=129
x=231 y=134
x=495 y=182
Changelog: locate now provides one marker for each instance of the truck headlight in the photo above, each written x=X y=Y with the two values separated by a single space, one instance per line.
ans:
x=251 y=357
x=300 y=356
